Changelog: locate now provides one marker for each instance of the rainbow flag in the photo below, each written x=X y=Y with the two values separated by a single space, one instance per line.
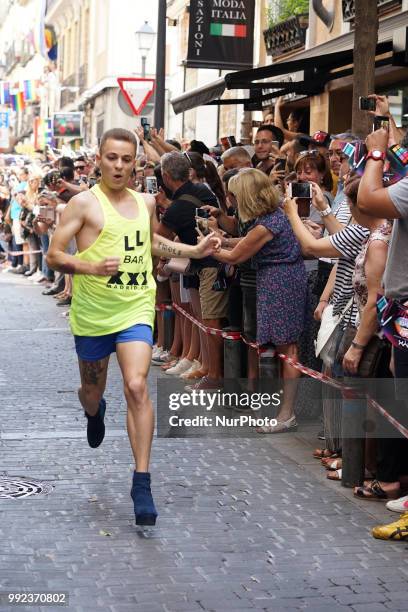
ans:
x=28 y=88
x=227 y=29
x=42 y=132
x=4 y=92
x=17 y=101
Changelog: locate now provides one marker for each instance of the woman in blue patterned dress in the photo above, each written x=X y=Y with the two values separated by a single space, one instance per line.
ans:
x=281 y=276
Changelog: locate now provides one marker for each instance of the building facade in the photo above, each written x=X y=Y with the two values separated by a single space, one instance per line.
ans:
x=331 y=109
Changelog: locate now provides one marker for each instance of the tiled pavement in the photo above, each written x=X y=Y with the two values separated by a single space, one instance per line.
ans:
x=244 y=524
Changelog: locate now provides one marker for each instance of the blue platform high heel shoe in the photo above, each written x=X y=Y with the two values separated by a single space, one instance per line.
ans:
x=145 y=511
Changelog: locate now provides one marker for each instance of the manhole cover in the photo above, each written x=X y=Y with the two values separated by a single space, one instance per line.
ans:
x=16 y=488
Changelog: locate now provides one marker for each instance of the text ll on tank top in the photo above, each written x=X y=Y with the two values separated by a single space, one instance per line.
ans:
x=107 y=304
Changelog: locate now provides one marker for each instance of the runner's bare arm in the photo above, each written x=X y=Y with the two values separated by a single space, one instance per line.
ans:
x=72 y=220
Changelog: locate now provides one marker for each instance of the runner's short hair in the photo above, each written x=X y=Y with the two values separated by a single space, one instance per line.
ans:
x=118 y=134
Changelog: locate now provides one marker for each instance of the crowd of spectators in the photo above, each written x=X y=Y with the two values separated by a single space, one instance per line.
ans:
x=312 y=227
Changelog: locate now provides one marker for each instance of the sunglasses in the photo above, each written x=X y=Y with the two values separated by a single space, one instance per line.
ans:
x=311 y=153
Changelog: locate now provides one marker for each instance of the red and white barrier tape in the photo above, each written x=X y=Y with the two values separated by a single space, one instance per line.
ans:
x=208 y=330
x=17 y=253
x=295 y=364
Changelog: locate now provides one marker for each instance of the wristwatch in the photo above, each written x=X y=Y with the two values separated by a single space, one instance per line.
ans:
x=325 y=212
x=376 y=155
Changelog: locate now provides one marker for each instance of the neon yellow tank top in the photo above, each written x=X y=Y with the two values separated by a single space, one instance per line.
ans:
x=104 y=305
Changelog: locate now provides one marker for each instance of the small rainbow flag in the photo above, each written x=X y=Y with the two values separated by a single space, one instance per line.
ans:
x=17 y=101
x=227 y=29
x=4 y=92
x=28 y=90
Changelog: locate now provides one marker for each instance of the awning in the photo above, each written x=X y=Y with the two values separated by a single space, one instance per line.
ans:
x=199 y=96
x=89 y=94
x=315 y=71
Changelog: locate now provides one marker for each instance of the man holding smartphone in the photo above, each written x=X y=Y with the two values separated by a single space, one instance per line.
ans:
x=114 y=296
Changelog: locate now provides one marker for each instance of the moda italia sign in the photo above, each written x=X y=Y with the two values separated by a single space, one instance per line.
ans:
x=221 y=34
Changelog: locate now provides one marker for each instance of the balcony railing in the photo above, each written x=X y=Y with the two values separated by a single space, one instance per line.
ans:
x=286 y=36
x=384 y=6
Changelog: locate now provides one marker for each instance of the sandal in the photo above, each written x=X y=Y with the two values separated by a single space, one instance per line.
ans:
x=334 y=464
x=321 y=453
x=327 y=460
x=334 y=474
x=375 y=492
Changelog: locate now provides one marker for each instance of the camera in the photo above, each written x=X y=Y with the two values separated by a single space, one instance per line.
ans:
x=366 y=104
x=300 y=190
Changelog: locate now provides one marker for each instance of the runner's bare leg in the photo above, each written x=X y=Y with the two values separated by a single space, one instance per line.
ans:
x=134 y=361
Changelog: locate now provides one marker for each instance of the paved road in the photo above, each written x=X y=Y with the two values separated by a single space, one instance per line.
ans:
x=244 y=524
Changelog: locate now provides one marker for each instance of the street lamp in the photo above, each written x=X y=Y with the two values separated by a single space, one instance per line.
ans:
x=144 y=37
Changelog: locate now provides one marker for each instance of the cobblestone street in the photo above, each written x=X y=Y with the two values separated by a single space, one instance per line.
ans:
x=244 y=524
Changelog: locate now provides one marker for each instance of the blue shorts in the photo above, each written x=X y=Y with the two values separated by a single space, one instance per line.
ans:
x=94 y=348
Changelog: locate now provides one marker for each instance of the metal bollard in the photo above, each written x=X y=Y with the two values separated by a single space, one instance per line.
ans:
x=233 y=367
x=353 y=444
x=168 y=322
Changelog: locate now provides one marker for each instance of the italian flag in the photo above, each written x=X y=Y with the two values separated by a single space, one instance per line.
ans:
x=226 y=29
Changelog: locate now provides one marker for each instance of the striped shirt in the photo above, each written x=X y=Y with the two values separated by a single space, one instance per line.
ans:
x=349 y=243
x=343 y=216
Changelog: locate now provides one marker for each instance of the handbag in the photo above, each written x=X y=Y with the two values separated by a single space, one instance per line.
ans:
x=371 y=356
x=329 y=324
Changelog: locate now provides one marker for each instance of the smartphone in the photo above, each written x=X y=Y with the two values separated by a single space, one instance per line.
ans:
x=232 y=141
x=381 y=122
x=280 y=164
x=300 y=190
x=203 y=214
x=366 y=104
x=151 y=184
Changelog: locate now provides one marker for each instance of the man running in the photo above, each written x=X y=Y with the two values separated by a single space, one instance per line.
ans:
x=114 y=296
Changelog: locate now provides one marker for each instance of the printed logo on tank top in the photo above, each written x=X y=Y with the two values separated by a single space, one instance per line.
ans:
x=125 y=280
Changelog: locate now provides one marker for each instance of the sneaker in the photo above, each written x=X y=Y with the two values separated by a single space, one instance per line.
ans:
x=398 y=505
x=182 y=366
x=41 y=280
x=30 y=272
x=95 y=430
x=21 y=269
x=37 y=275
x=157 y=350
x=141 y=493
x=280 y=427
x=320 y=435
x=398 y=530
x=196 y=365
x=163 y=357
x=205 y=384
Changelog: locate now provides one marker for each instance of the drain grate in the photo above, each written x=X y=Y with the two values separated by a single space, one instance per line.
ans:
x=13 y=487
